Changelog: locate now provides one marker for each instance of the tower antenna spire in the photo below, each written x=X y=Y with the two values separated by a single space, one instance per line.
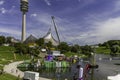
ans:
x=24 y=9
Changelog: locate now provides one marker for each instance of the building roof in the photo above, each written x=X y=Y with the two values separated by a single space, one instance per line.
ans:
x=48 y=37
x=30 y=39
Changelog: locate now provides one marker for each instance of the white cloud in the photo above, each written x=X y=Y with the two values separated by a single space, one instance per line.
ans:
x=102 y=31
x=3 y=10
x=10 y=31
x=12 y=10
x=43 y=23
x=47 y=2
x=109 y=29
x=33 y=15
x=1 y=2
x=42 y=18
x=45 y=20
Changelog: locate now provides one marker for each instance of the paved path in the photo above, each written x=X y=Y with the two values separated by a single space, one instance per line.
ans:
x=12 y=69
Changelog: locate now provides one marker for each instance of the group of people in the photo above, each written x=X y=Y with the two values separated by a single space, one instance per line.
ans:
x=81 y=73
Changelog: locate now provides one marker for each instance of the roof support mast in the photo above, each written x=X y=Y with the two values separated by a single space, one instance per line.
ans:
x=55 y=28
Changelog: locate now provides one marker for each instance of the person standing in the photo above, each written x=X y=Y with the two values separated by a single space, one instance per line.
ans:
x=79 y=73
x=86 y=70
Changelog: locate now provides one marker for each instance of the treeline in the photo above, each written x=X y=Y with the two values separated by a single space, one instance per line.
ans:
x=113 y=45
x=4 y=39
x=23 y=48
x=86 y=50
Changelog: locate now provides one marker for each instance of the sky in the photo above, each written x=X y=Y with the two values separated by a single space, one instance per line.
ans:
x=81 y=22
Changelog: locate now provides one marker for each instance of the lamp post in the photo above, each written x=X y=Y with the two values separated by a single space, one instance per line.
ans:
x=24 y=9
x=93 y=64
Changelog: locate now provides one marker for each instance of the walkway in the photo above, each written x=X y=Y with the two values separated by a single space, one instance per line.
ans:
x=12 y=69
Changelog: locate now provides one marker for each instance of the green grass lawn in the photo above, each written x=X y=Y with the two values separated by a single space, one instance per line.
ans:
x=7 y=77
x=7 y=48
x=102 y=50
x=6 y=53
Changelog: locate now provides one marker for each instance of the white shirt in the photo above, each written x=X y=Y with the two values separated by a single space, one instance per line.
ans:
x=80 y=73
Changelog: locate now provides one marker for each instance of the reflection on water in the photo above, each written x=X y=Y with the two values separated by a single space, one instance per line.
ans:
x=56 y=73
x=53 y=73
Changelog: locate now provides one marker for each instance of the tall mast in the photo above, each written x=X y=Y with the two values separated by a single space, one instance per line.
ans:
x=55 y=28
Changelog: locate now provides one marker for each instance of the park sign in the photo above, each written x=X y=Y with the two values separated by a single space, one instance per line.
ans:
x=56 y=53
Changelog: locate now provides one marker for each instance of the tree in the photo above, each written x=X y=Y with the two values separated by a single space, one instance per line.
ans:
x=8 y=39
x=21 y=48
x=40 y=41
x=63 y=47
x=115 y=49
x=49 y=44
x=34 y=51
x=2 y=40
x=100 y=45
x=107 y=44
x=75 y=48
x=87 y=50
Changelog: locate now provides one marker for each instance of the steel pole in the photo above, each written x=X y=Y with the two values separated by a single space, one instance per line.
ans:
x=55 y=28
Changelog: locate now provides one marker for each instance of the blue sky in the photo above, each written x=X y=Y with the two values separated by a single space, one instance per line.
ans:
x=78 y=21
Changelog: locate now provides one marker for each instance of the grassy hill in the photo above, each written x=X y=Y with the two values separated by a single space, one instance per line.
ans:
x=7 y=56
